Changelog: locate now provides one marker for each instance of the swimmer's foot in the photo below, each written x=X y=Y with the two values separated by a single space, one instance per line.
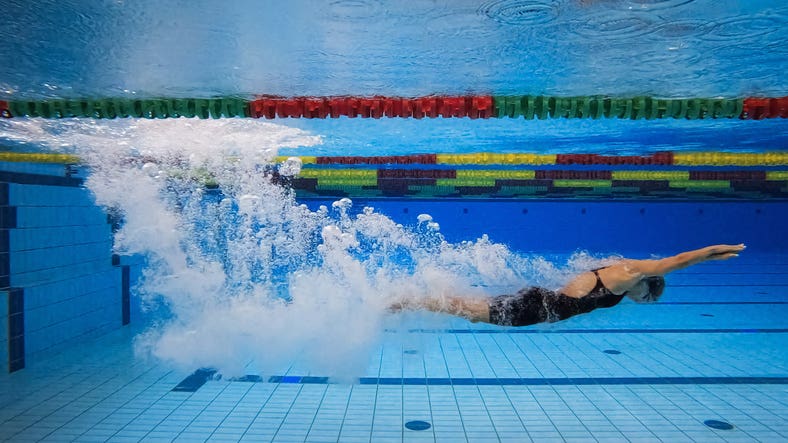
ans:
x=399 y=304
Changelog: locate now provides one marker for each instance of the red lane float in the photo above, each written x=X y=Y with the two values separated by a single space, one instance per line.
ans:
x=760 y=108
x=372 y=107
x=4 y=112
x=658 y=158
x=419 y=159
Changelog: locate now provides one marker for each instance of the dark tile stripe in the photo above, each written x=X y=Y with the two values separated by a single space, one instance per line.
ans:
x=7 y=217
x=510 y=330
x=571 y=381
x=706 y=303
x=16 y=329
x=8 y=221
x=193 y=382
x=39 y=179
x=125 y=296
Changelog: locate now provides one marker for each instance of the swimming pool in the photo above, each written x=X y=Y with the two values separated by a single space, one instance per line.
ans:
x=226 y=279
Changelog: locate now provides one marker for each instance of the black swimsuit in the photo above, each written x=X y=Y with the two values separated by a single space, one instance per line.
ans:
x=537 y=305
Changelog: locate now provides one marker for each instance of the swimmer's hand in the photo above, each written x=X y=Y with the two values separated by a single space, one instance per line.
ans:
x=723 y=252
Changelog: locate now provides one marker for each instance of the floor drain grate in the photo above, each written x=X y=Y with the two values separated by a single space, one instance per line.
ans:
x=417 y=425
x=716 y=424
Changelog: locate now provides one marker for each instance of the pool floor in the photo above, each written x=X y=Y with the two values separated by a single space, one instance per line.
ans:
x=708 y=363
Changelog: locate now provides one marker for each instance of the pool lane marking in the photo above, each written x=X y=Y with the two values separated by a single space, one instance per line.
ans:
x=722 y=303
x=511 y=330
x=194 y=381
x=508 y=381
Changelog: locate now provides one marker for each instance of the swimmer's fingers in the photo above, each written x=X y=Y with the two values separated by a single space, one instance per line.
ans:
x=724 y=249
x=723 y=256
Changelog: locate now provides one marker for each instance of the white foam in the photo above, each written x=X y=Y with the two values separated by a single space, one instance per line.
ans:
x=249 y=274
x=290 y=167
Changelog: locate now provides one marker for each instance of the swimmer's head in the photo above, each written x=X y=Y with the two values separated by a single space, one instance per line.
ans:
x=647 y=290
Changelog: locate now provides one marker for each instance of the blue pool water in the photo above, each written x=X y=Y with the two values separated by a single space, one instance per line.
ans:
x=138 y=305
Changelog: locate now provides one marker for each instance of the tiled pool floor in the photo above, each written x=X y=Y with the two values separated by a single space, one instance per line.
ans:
x=633 y=373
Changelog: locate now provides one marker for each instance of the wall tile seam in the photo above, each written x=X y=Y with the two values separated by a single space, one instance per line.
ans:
x=54 y=229
x=99 y=259
x=105 y=327
x=76 y=253
x=22 y=225
x=96 y=265
x=25 y=229
x=20 y=277
x=60 y=246
x=71 y=273
x=26 y=246
x=58 y=204
x=88 y=290
x=91 y=210
x=23 y=192
x=83 y=214
x=34 y=276
x=37 y=188
x=35 y=296
x=41 y=308
x=63 y=322
x=107 y=282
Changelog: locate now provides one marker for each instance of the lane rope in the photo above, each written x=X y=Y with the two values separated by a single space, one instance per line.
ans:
x=472 y=106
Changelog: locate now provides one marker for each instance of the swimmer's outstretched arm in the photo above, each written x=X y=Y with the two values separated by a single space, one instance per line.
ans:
x=649 y=268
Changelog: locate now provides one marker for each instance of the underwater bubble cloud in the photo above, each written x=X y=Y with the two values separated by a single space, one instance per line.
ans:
x=238 y=271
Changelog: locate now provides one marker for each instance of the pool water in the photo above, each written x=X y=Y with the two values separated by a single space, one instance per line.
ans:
x=227 y=279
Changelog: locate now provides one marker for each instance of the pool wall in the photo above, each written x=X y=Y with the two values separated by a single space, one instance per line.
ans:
x=627 y=227
x=59 y=281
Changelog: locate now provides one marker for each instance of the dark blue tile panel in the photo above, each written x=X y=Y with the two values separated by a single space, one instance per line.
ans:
x=7 y=221
x=193 y=382
x=16 y=329
x=570 y=381
x=525 y=330
x=7 y=217
x=5 y=269
x=125 y=297
x=39 y=179
x=248 y=378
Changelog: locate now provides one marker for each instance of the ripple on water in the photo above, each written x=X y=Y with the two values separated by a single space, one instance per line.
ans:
x=520 y=12
x=351 y=10
x=739 y=28
x=657 y=4
x=610 y=27
x=684 y=28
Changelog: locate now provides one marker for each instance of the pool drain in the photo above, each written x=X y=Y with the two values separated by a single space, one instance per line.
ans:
x=611 y=351
x=716 y=424
x=417 y=425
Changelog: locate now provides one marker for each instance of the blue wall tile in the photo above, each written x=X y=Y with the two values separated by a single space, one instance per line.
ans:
x=597 y=226
x=58 y=250
x=3 y=330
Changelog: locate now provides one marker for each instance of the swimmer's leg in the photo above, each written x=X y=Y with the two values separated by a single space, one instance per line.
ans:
x=474 y=309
